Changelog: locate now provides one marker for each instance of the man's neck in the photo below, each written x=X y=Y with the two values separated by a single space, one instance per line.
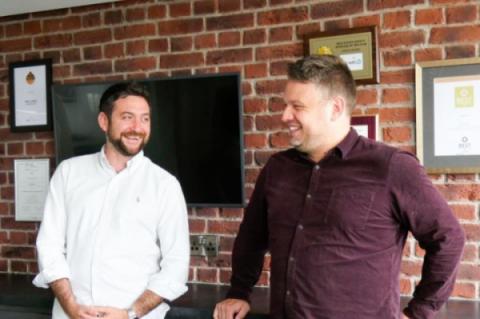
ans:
x=115 y=159
x=333 y=141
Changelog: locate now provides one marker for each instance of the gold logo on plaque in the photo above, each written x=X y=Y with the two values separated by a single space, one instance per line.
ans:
x=323 y=50
x=30 y=78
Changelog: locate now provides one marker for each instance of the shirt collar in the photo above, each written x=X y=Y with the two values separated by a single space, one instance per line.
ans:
x=346 y=145
x=133 y=162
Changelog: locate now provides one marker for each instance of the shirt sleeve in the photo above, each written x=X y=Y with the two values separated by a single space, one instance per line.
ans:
x=251 y=244
x=51 y=236
x=424 y=212
x=170 y=281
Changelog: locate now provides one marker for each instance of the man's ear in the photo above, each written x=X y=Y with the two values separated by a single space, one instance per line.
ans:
x=339 y=107
x=103 y=121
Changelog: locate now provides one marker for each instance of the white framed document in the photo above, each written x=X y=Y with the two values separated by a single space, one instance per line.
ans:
x=31 y=188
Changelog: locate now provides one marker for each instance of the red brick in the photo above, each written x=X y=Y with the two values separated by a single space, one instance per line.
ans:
x=13 y=30
x=336 y=9
x=15 y=45
x=181 y=44
x=207 y=212
x=411 y=268
x=255 y=140
x=261 y=157
x=134 y=31
x=470 y=252
x=181 y=60
x=466 y=211
x=204 y=7
x=113 y=17
x=401 y=38
x=156 y=12
x=256 y=36
x=286 y=15
x=32 y=27
x=280 y=34
x=256 y=105
x=18 y=238
x=15 y=149
x=53 y=55
x=71 y=55
x=469 y=33
x=222 y=227
x=229 y=213
x=248 y=123
x=428 y=54
x=365 y=21
x=17 y=266
x=460 y=177
x=279 y=67
x=396 y=95
x=402 y=76
x=63 y=24
x=203 y=41
x=395 y=20
x=91 y=20
x=229 y=38
x=92 y=53
x=366 y=97
x=268 y=122
x=22 y=252
x=180 y=26
x=405 y=286
x=158 y=45
x=229 y=56
x=270 y=86
x=463 y=14
x=92 y=68
x=337 y=24
x=280 y=140
x=3 y=265
x=309 y=28
x=291 y=50
x=385 y=4
x=230 y=69
x=455 y=192
x=34 y=148
x=197 y=226
x=207 y=275
x=464 y=290
x=258 y=70
x=457 y=52
x=50 y=148
x=90 y=37
x=135 y=14
x=397 y=58
x=472 y=231
x=397 y=134
x=228 y=5
x=93 y=7
x=397 y=114
x=136 y=47
x=135 y=64
x=180 y=9
x=251 y=4
x=469 y=272
x=429 y=16
x=230 y=22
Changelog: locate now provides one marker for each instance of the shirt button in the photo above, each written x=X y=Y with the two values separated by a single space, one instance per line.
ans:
x=300 y=226
x=288 y=292
x=309 y=196
x=317 y=167
x=291 y=259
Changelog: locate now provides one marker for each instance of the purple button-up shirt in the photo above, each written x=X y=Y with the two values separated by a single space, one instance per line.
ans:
x=336 y=230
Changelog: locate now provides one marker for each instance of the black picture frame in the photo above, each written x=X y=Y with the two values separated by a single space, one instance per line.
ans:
x=30 y=95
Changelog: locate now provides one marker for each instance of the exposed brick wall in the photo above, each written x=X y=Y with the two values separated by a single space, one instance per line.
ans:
x=139 y=39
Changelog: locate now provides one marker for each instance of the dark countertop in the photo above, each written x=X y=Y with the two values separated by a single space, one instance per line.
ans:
x=21 y=300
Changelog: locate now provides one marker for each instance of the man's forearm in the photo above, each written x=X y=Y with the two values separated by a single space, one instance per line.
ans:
x=63 y=292
x=146 y=303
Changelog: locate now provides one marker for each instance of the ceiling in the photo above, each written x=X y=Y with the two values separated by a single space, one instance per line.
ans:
x=13 y=7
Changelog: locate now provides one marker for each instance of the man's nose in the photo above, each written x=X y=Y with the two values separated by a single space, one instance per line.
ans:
x=287 y=114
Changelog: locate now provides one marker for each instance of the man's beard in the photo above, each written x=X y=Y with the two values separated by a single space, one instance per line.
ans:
x=122 y=148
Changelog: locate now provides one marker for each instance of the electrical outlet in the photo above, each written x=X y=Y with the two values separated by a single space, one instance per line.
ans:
x=204 y=245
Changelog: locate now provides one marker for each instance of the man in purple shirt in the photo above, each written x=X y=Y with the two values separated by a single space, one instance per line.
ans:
x=334 y=213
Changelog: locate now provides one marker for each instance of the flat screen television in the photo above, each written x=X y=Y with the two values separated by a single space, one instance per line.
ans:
x=196 y=133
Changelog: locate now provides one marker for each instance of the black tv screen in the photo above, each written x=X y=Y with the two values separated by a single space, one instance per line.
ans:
x=196 y=132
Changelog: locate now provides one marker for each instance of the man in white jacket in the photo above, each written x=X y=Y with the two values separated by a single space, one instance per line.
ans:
x=113 y=242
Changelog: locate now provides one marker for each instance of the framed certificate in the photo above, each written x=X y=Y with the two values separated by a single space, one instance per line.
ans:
x=30 y=107
x=31 y=188
x=448 y=109
x=356 y=46
x=366 y=125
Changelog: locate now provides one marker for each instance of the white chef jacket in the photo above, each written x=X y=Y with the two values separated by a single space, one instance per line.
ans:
x=114 y=235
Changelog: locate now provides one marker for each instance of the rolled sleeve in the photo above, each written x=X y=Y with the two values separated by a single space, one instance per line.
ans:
x=170 y=281
x=51 y=236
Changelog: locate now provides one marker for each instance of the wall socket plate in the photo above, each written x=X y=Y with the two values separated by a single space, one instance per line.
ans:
x=204 y=245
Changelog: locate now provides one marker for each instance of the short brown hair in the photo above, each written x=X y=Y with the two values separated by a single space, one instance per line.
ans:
x=118 y=91
x=328 y=71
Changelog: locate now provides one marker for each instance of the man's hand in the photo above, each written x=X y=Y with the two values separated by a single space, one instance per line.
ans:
x=82 y=312
x=110 y=312
x=231 y=309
